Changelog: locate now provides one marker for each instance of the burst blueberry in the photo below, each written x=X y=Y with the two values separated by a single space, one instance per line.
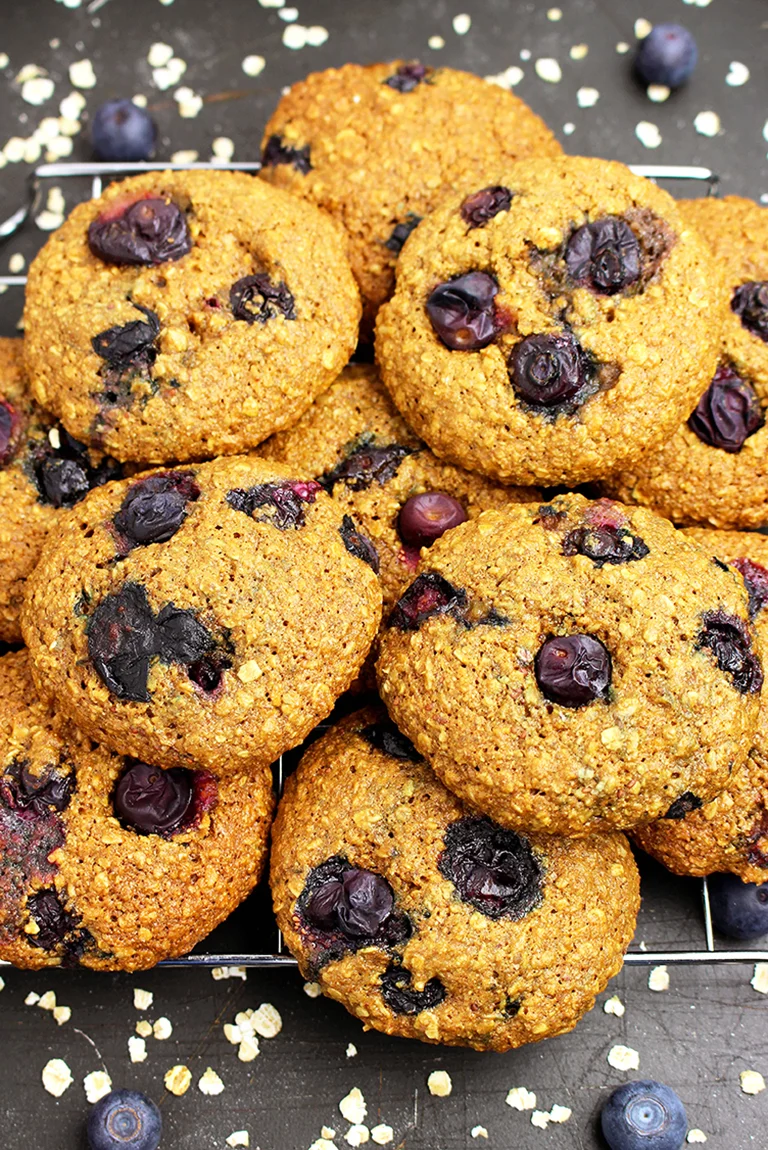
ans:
x=9 y=423
x=403 y=998
x=358 y=903
x=462 y=311
x=384 y=736
x=728 y=639
x=548 y=370
x=425 y=517
x=257 y=298
x=400 y=233
x=124 y=1120
x=122 y=131
x=750 y=302
x=755 y=578
x=149 y=231
x=480 y=207
x=604 y=255
x=155 y=508
x=277 y=152
x=408 y=76
x=429 y=595
x=153 y=801
x=573 y=670
x=605 y=543
x=644 y=1115
x=493 y=869
x=727 y=413
x=358 y=544
x=366 y=463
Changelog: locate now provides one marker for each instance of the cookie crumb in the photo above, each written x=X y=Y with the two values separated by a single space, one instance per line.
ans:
x=137 y=1049
x=142 y=999
x=382 y=1134
x=520 y=1099
x=614 y=1005
x=177 y=1080
x=162 y=1029
x=97 y=1084
x=439 y=1083
x=759 y=980
x=143 y=1028
x=357 y=1135
x=752 y=1082
x=623 y=1058
x=658 y=979
x=312 y=989
x=210 y=1083
x=353 y=1107
x=57 y=1077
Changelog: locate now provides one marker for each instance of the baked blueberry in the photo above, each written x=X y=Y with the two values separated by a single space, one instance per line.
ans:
x=667 y=56
x=606 y=543
x=755 y=578
x=155 y=508
x=462 y=311
x=408 y=76
x=124 y=1119
x=38 y=795
x=480 y=207
x=358 y=544
x=684 y=805
x=428 y=595
x=121 y=641
x=384 y=736
x=573 y=670
x=739 y=909
x=284 y=501
x=400 y=233
x=256 y=299
x=727 y=638
x=153 y=801
x=179 y=636
x=276 y=151
x=492 y=868
x=63 y=482
x=750 y=302
x=366 y=463
x=604 y=255
x=357 y=902
x=129 y=346
x=402 y=998
x=727 y=413
x=644 y=1115
x=548 y=370
x=424 y=518
x=9 y=422
x=148 y=231
x=54 y=923
x=121 y=130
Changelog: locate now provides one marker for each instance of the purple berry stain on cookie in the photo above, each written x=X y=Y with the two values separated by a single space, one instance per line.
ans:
x=400 y=233
x=408 y=76
x=462 y=311
x=757 y=840
x=425 y=517
x=155 y=508
x=283 y=502
x=64 y=474
x=402 y=998
x=145 y=232
x=257 y=299
x=493 y=869
x=750 y=302
x=727 y=413
x=429 y=595
x=153 y=801
x=573 y=670
x=9 y=431
x=604 y=255
x=384 y=736
x=756 y=581
x=728 y=639
x=550 y=371
x=358 y=544
x=364 y=463
x=480 y=207
x=683 y=806
x=276 y=151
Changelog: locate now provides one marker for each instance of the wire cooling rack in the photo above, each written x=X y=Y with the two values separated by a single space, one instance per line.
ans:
x=274 y=953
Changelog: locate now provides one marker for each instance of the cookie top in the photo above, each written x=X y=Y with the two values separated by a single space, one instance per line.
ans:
x=207 y=616
x=106 y=861
x=551 y=324
x=378 y=146
x=714 y=470
x=573 y=667
x=356 y=444
x=731 y=832
x=428 y=921
x=42 y=471
x=195 y=313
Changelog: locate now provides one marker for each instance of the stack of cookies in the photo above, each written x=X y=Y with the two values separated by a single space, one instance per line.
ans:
x=219 y=530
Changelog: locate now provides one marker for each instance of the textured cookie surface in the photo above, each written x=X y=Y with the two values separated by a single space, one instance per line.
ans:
x=714 y=470
x=429 y=922
x=573 y=667
x=731 y=832
x=378 y=146
x=79 y=883
x=195 y=313
x=552 y=326
x=208 y=615
x=42 y=470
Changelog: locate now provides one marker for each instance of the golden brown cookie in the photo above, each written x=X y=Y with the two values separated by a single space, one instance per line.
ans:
x=205 y=616
x=574 y=667
x=378 y=146
x=108 y=862
x=554 y=326
x=188 y=314
x=731 y=832
x=714 y=470
x=428 y=921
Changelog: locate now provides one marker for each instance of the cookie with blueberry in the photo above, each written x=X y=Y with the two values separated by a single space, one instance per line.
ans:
x=714 y=470
x=203 y=616
x=110 y=862
x=378 y=146
x=551 y=324
x=183 y=315
x=731 y=832
x=430 y=921
x=574 y=666
x=43 y=471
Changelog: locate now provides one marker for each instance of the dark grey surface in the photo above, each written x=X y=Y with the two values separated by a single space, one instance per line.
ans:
x=710 y=1025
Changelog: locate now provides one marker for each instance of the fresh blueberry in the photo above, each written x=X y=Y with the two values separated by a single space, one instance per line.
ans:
x=644 y=1115
x=755 y=579
x=256 y=299
x=358 y=544
x=548 y=370
x=573 y=670
x=124 y=1119
x=148 y=231
x=739 y=909
x=424 y=518
x=400 y=233
x=480 y=207
x=155 y=508
x=401 y=998
x=750 y=302
x=428 y=595
x=603 y=255
x=667 y=56
x=727 y=413
x=277 y=152
x=607 y=543
x=408 y=76
x=727 y=638
x=153 y=801
x=462 y=311
x=122 y=131
x=493 y=869
x=9 y=422
x=365 y=464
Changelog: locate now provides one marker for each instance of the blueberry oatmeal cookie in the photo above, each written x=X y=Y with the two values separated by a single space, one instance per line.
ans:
x=378 y=146
x=110 y=862
x=203 y=616
x=731 y=832
x=428 y=921
x=714 y=470
x=573 y=667
x=555 y=332
x=195 y=313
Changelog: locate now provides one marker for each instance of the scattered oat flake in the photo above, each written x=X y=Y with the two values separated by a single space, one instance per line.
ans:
x=248 y=1049
x=479 y=1132
x=253 y=65
x=97 y=1084
x=223 y=148
x=327 y=1132
x=29 y=72
x=351 y=1049
x=62 y=1014
x=554 y=14
x=142 y=999
x=159 y=54
x=759 y=981
x=185 y=156
x=267 y=1021
x=316 y=35
x=143 y=1027
x=658 y=93
x=622 y=47
x=49 y=221
x=623 y=1058
x=2 y=980
x=188 y=101
x=547 y=68
x=47 y=1001
x=462 y=23
x=520 y=1099
x=312 y=989
x=177 y=1080
x=569 y=129
x=560 y=1113
x=162 y=1029
x=707 y=123
x=165 y=77
x=239 y=1138
x=288 y=14
x=57 y=1077
x=32 y=999
x=382 y=1134
x=509 y=78
x=353 y=1107
x=4 y=60
x=752 y=1082
x=436 y=43
x=82 y=75
x=648 y=134
x=658 y=979
x=137 y=1049
x=642 y=28
x=220 y=972
x=738 y=74
x=695 y=1136
x=357 y=1135
x=210 y=1083
x=587 y=97
x=38 y=90
x=439 y=1083
x=323 y=1144
x=232 y=1033
x=579 y=51
x=540 y=1118
x=271 y=3
x=297 y=36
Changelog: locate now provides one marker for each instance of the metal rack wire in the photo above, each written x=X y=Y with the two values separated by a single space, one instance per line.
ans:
x=709 y=952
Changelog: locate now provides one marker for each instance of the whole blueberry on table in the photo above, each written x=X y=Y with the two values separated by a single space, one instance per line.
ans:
x=739 y=909
x=122 y=131
x=667 y=55
x=644 y=1115
x=124 y=1118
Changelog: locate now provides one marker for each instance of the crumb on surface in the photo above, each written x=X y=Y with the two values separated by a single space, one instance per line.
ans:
x=177 y=1080
x=519 y=1098
x=57 y=1077
x=439 y=1083
x=614 y=1005
x=623 y=1058
x=658 y=979
x=752 y=1082
x=96 y=1084
x=353 y=1107
x=210 y=1083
